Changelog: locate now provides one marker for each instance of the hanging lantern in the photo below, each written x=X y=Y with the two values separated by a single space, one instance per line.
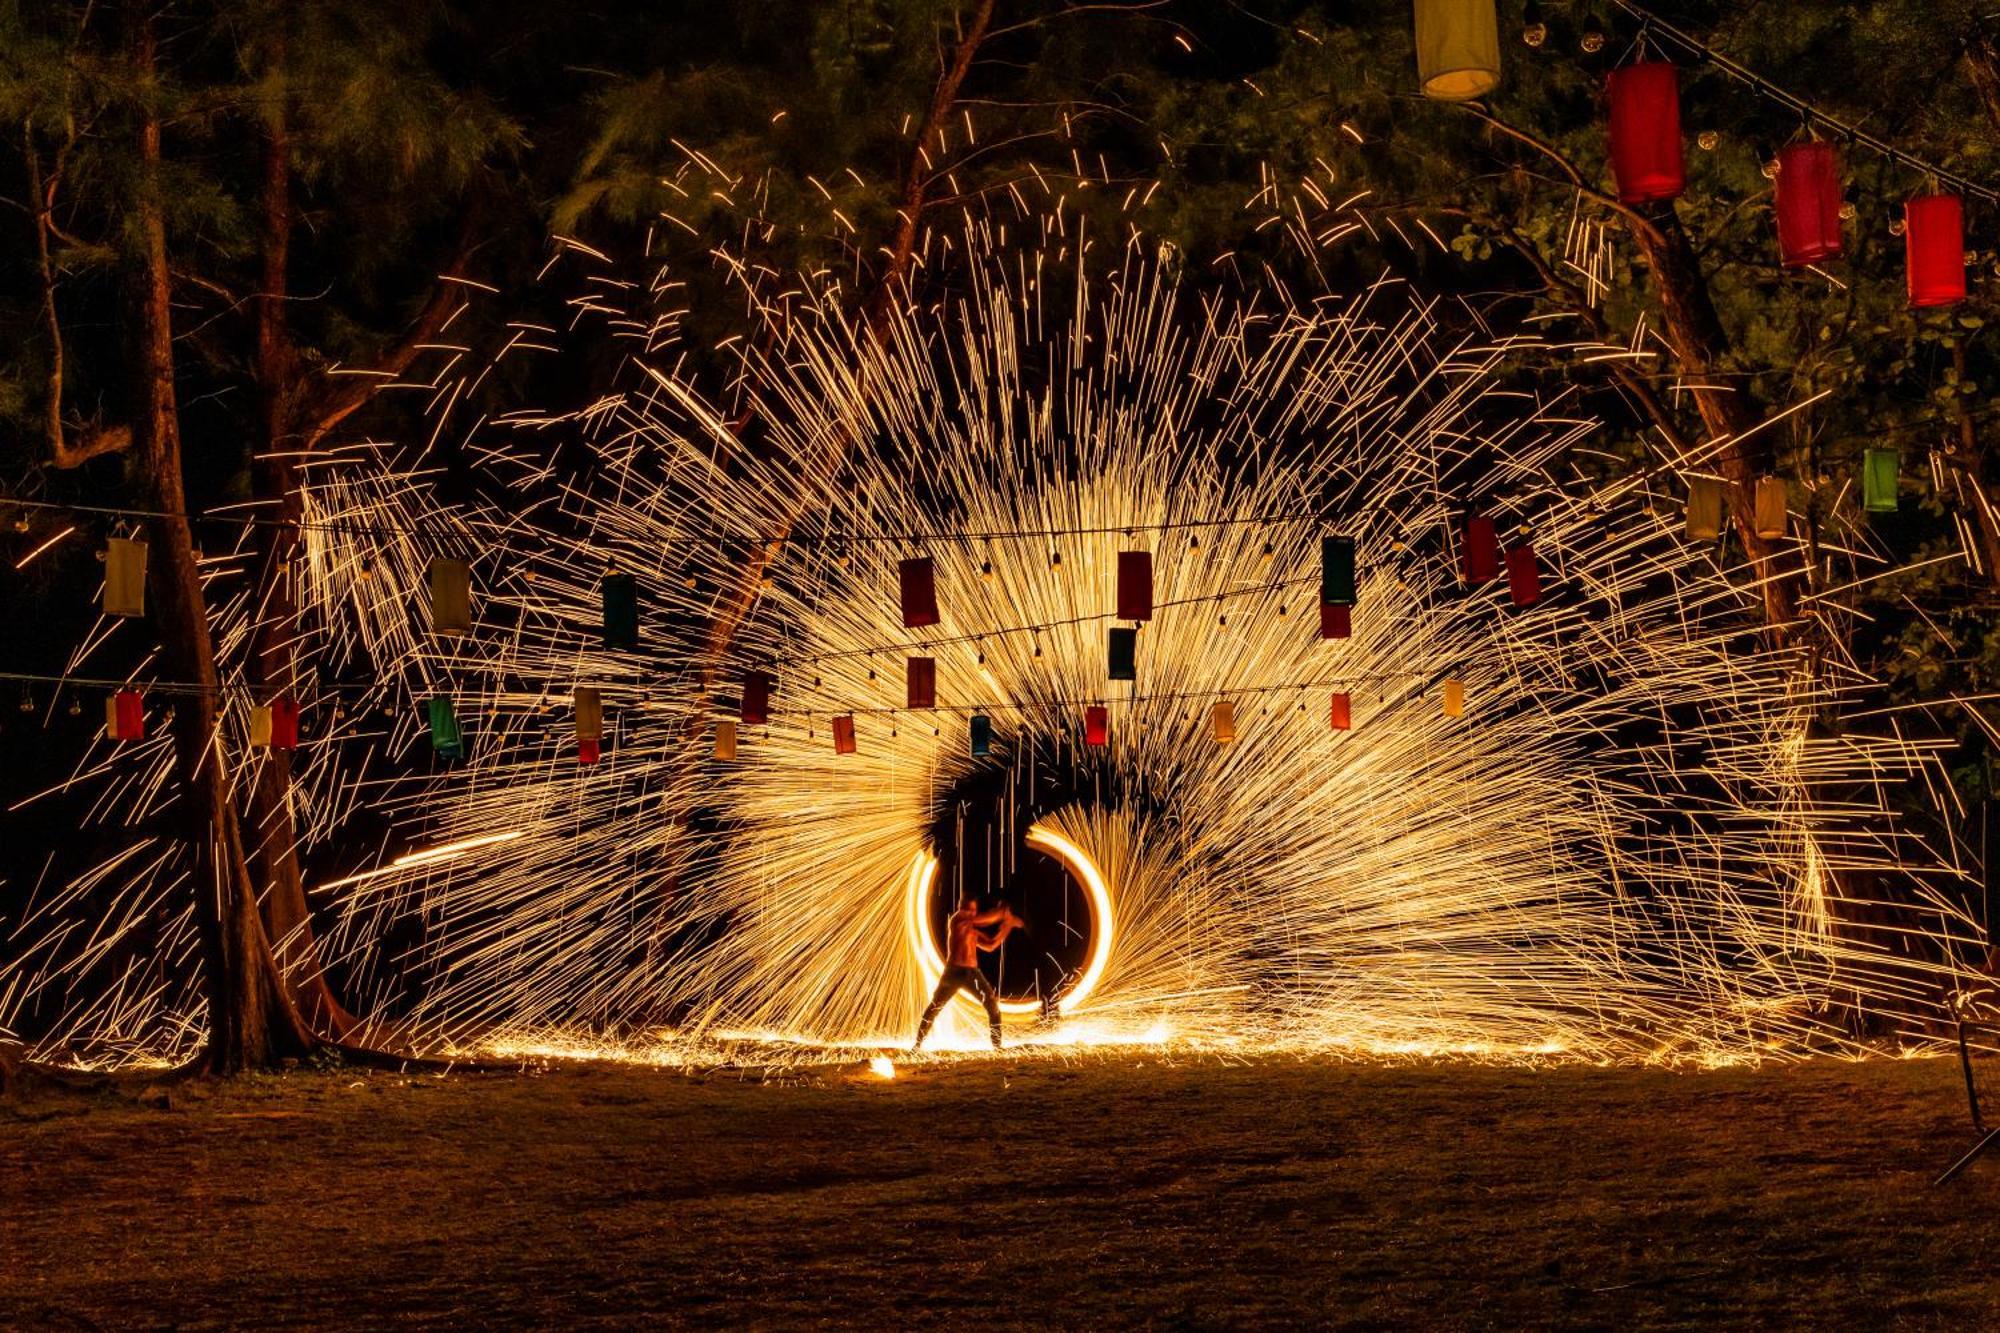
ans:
x=1458 y=48
x=756 y=710
x=125 y=716
x=1646 y=132
x=1482 y=551
x=981 y=735
x=451 y=597
x=446 y=737
x=260 y=727
x=1770 y=507
x=843 y=734
x=917 y=579
x=589 y=724
x=1881 y=480
x=1123 y=652
x=1934 y=249
x=1096 y=725
x=1336 y=571
x=1336 y=622
x=1808 y=202
x=1454 y=697
x=725 y=739
x=621 y=613
x=1135 y=585
x=1342 y=715
x=1222 y=722
x=920 y=682
x=1524 y=575
x=124 y=577
x=1704 y=509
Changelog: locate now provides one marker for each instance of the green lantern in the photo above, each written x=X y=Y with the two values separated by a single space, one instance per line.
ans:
x=621 y=612
x=1124 y=652
x=1880 y=480
x=446 y=738
x=982 y=735
x=1336 y=571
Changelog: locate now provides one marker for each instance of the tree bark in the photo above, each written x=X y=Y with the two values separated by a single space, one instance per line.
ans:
x=252 y=1021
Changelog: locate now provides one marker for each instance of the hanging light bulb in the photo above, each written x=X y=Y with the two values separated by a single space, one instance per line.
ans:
x=1707 y=140
x=20 y=522
x=1055 y=559
x=986 y=570
x=1593 y=42
x=27 y=702
x=1269 y=552
x=75 y=706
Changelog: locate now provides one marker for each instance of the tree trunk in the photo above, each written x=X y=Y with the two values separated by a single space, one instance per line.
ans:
x=251 y=1019
x=1700 y=344
x=273 y=666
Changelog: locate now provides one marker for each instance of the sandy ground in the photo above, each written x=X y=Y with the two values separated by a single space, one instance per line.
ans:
x=1117 y=1189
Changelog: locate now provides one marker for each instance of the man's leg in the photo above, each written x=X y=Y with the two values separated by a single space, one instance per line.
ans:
x=991 y=999
x=946 y=988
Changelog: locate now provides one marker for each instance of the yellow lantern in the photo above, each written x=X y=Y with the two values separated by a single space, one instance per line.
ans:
x=1222 y=719
x=1770 y=507
x=725 y=739
x=1458 y=48
x=1454 y=697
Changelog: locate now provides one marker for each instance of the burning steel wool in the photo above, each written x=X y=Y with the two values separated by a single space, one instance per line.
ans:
x=1604 y=819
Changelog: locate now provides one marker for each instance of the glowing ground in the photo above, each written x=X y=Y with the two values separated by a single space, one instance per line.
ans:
x=1109 y=1188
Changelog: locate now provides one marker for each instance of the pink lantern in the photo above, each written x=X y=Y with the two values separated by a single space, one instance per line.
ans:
x=1646 y=132
x=1135 y=585
x=1934 y=244
x=1808 y=204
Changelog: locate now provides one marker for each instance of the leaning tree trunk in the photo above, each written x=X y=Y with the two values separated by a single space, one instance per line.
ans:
x=252 y=1021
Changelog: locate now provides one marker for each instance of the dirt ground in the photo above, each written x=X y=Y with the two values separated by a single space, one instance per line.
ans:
x=1115 y=1189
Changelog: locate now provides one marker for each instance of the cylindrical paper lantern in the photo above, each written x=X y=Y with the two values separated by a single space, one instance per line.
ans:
x=451 y=597
x=1336 y=622
x=843 y=734
x=589 y=751
x=918 y=586
x=725 y=739
x=1222 y=721
x=756 y=710
x=621 y=612
x=589 y=724
x=124 y=577
x=920 y=683
x=1135 y=585
x=1646 y=132
x=260 y=727
x=125 y=716
x=1934 y=246
x=1704 y=510
x=1096 y=725
x=1524 y=575
x=1881 y=480
x=1342 y=715
x=284 y=723
x=1808 y=204
x=1336 y=571
x=981 y=735
x=1454 y=697
x=1458 y=48
x=1769 y=510
x=446 y=736
x=1481 y=557
x=1123 y=652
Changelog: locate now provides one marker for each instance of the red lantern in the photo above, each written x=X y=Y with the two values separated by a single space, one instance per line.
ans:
x=1934 y=243
x=284 y=723
x=756 y=698
x=1135 y=585
x=843 y=734
x=1808 y=204
x=588 y=750
x=128 y=716
x=1482 y=551
x=921 y=682
x=1646 y=132
x=1524 y=576
x=919 y=592
x=1096 y=725
x=1336 y=622
x=1343 y=713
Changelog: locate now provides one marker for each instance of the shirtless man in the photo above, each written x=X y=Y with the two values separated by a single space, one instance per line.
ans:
x=970 y=936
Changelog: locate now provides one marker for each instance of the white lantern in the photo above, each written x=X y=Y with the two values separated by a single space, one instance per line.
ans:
x=1458 y=48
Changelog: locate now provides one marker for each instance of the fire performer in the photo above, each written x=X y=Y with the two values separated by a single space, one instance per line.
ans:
x=971 y=933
